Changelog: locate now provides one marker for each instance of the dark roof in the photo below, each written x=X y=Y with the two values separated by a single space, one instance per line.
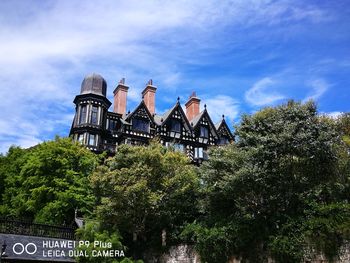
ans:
x=167 y=114
x=161 y=119
x=223 y=123
x=196 y=119
x=217 y=125
x=94 y=83
x=141 y=105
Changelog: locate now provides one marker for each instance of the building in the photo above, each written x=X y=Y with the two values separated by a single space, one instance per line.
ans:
x=189 y=131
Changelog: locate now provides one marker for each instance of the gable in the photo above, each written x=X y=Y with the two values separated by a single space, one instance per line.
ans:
x=205 y=121
x=176 y=114
x=224 y=131
x=141 y=112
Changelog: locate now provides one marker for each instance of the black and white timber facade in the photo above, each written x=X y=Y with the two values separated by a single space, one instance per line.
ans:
x=189 y=131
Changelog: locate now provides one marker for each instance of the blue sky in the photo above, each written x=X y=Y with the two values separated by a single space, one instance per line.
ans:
x=239 y=56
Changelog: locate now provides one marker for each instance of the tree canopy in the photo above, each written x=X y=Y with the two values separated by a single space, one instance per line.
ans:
x=148 y=193
x=276 y=190
x=47 y=182
x=283 y=186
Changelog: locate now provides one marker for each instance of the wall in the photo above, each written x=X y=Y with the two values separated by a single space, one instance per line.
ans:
x=186 y=254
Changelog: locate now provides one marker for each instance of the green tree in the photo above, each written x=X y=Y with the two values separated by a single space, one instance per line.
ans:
x=263 y=192
x=93 y=231
x=10 y=166
x=47 y=182
x=148 y=193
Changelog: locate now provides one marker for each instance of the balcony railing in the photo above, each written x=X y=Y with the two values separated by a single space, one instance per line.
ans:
x=16 y=227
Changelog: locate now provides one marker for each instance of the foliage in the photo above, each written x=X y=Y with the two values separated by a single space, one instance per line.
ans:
x=144 y=191
x=263 y=191
x=47 y=182
x=284 y=185
x=93 y=231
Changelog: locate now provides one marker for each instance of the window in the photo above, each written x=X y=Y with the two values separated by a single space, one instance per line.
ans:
x=82 y=117
x=175 y=126
x=80 y=138
x=140 y=125
x=204 y=132
x=112 y=124
x=92 y=139
x=94 y=114
x=198 y=153
x=223 y=140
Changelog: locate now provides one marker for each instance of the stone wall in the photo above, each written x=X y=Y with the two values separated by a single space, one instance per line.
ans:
x=186 y=254
x=312 y=256
x=175 y=254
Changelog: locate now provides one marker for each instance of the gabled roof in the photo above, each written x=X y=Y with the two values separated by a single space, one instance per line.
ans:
x=142 y=105
x=162 y=119
x=223 y=125
x=196 y=120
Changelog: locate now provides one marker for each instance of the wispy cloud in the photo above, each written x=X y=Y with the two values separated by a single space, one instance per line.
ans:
x=260 y=95
x=333 y=114
x=222 y=105
x=48 y=47
x=319 y=87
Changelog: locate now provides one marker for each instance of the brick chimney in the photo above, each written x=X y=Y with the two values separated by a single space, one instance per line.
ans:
x=192 y=106
x=148 y=95
x=120 y=94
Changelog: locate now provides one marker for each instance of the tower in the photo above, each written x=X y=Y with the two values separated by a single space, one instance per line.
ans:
x=90 y=112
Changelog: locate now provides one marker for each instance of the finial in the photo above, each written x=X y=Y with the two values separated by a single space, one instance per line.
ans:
x=122 y=81
x=128 y=112
x=150 y=82
x=223 y=116
x=161 y=120
x=178 y=99
x=205 y=106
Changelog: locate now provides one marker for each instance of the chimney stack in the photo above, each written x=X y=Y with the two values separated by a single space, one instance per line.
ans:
x=192 y=106
x=148 y=95
x=120 y=93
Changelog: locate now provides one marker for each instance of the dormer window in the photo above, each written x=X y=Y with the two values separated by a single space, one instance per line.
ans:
x=140 y=125
x=94 y=114
x=204 y=133
x=175 y=126
x=82 y=117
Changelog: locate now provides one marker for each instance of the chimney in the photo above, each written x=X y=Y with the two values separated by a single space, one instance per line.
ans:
x=192 y=106
x=120 y=94
x=148 y=95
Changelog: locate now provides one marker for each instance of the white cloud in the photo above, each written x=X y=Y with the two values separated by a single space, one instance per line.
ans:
x=259 y=95
x=319 y=87
x=333 y=114
x=221 y=105
x=48 y=47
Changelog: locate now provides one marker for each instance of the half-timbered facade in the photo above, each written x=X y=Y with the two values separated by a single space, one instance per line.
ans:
x=189 y=131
